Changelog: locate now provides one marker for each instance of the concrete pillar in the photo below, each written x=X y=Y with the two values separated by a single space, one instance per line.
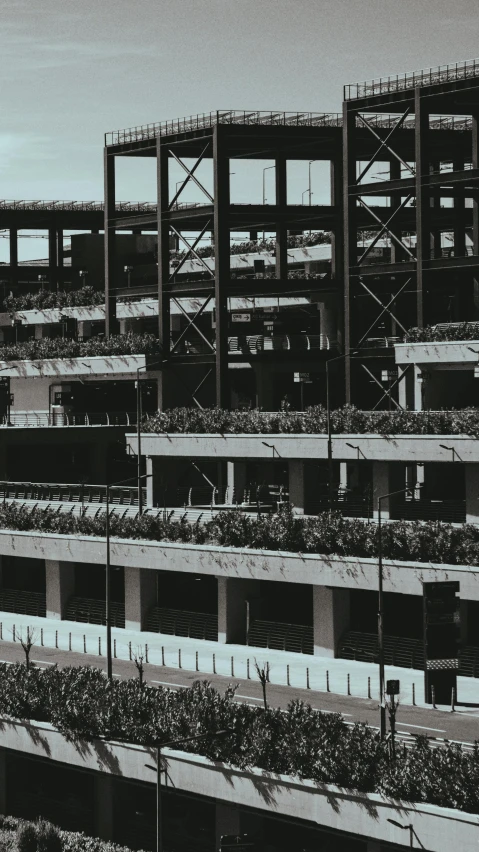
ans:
x=149 y=482
x=381 y=486
x=419 y=377
x=331 y=617
x=328 y=324
x=39 y=329
x=233 y=594
x=402 y=388
x=343 y=475
x=60 y=585
x=140 y=596
x=472 y=493
x=228 y=821
x=296 y=486
x=236 y=481
x=104 y=805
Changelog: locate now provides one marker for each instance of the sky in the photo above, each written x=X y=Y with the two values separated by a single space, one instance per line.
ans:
x=70 y=70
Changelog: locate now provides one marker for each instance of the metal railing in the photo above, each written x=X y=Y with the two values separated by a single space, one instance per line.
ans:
x=78 y=418
x=210 y=119
x=50 y=492
x=411 y=79
x=448 y=511
x=86 y=206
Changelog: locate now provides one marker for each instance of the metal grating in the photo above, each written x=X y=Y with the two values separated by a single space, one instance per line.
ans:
x=411 y=79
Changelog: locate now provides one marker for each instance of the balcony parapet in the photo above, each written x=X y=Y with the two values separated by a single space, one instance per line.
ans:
x=82 y=366
x=439 y=352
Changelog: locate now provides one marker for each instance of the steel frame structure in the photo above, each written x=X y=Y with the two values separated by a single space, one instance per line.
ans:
x=436 y=121
x=222 y=137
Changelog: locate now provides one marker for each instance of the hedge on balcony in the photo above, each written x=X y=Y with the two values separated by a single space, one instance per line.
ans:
x=416 y=541
x=434 y=333
x=71 y=841
x=302 y=742
x=347 y=420
x=58 y=347
x=45 y=300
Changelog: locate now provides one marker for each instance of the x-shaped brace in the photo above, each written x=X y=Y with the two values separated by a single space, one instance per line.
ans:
x=384 y=229
x=192 y=323
x=385 y=308
x=384 y=144
x=191 y=250
x=385 y=226
x=197 y=388
x=386 y=393
x=191 y=176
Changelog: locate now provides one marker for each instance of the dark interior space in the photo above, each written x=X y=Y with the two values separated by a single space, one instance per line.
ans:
x=289 y=603
x=23 y=574
x=90 y=582
x=402 y=614
x=188 y=592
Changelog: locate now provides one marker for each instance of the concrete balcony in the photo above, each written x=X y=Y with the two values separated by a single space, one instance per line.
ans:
x=355 y=447
x=57 y=368
x=440 y=353
x=366 y=815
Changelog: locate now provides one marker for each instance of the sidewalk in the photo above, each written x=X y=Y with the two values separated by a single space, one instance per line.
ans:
x=322 y=674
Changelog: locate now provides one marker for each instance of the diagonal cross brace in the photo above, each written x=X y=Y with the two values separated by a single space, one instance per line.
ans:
x=378 y=300
x=384 y=229
x=191 y=250
x=385 y=393
x=192 y=322
x=385 y=308
x=191 y=176
x=188 y=177
x=383 y=142
x=391 y=234
x=193 y=393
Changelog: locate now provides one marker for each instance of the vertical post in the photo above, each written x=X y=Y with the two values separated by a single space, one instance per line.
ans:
x=60 y=257
x=330 y=440
x=222 y=260
x=109 y=667
x=281 y=225
x=350 y=229
x=52 y=257
x=110 y=240
x=138 y=438
x=13 y=233
x=423 y=247
x=163 y=197
x=475 y=165
x=381 y=627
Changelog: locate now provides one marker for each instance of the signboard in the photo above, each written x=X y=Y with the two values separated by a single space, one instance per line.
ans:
x=392 y=687
x=240 y=317
x=388 y=375
x=441 y=639
x=302 y=377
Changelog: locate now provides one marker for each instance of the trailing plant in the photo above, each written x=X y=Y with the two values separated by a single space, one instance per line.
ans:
x=346 y=420
x=305 y=743
x=46 y=299
x=326 y=534
x=438 y=333
x=120 y=344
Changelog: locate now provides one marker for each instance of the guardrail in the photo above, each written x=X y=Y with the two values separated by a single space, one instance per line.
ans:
x=86 y=206
x=411 y=79
x=52 y=492
x=65 y=418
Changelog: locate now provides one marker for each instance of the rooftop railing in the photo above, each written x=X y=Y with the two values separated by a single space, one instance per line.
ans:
x=210 y=119
x=412 y=79
x=83 y=206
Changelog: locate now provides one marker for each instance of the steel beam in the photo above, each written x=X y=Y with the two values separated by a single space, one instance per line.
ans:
x=52 y=257
x=13 y=234
x=475 y=165
x=281 y=226
x=350 y=230
x=162 y=187
x=221 y=179
x=423 y=213
x=110 y=243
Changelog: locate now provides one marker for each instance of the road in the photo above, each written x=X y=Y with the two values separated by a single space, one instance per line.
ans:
x=462 y=725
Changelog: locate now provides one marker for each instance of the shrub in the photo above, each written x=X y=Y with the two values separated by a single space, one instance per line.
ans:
x=45 y=299
x=433 y=333
x=48 y=837
x=120 y=344
x=313 y=421
x=26 y=838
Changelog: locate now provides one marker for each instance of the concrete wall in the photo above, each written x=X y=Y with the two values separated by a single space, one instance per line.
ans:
x=31 y=394
x=56 y=368
x=367 y=815
x=409 y=448
x=444 y=352
x=346 y=572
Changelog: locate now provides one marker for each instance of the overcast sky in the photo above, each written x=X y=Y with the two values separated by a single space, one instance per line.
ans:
x=73 y=69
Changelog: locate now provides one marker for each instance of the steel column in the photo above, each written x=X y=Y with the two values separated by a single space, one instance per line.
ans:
x=459 y=212
x=60 y=264
x=13 y=234
x=423 y=236
x=164 y=333
x=475 y=165
x=52 y=257
x=221 y=180
x=110 y=240
x=282 y=226
x=350 y=230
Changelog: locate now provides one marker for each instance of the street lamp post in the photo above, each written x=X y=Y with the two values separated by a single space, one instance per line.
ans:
x=382 y=696
x=172 y=744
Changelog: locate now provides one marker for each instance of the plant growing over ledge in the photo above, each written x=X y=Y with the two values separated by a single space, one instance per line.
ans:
x=438 y=333
x=313 y=421
x=46 y=300
x=120 y=344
